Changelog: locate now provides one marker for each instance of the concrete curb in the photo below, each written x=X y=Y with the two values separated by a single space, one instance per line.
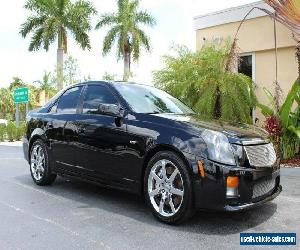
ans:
x=11 y=144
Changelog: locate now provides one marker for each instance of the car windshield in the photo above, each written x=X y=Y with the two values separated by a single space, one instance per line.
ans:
x=150 y=100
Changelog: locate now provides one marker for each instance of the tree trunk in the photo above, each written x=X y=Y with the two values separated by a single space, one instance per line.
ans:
x=60 y=61
x=60 y=68
x=126 y=66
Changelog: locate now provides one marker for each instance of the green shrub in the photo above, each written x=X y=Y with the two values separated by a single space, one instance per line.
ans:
x=2 y=132
x=20 y=131
x=11 y=131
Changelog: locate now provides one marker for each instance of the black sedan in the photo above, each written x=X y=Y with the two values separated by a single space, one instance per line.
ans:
x=140 y=139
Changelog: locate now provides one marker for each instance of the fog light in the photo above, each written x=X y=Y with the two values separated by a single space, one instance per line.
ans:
x=232 y=184
x=232 y=192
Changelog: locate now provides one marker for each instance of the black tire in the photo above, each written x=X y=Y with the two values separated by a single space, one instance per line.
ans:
x=48 y=177
x=186 y=210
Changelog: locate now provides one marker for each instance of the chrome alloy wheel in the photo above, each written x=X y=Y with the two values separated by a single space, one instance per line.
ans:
x=165 y=188
x=37 y=162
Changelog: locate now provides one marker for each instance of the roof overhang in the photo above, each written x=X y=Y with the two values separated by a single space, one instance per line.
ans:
x=230 y=15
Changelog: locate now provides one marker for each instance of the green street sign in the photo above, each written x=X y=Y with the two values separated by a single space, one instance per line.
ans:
x=21 y=95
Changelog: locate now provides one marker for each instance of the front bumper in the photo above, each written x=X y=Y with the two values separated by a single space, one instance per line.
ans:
x=210 y=191
x=232 y=208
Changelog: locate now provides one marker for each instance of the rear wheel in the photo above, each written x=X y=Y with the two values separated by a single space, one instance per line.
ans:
x=168 y=188
x=39 y=164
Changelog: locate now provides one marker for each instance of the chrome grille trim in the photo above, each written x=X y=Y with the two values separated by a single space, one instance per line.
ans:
x=263 y=188
x=255 y=142
x=261 y=155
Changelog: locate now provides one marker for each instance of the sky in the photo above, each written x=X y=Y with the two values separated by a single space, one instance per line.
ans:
x=174 y=26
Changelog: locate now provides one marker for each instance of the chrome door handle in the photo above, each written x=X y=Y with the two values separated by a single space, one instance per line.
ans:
x=133 y=142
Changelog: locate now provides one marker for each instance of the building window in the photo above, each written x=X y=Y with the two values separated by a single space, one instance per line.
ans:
x=245 y=66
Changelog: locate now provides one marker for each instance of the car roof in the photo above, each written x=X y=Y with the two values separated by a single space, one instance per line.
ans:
x=112 y=83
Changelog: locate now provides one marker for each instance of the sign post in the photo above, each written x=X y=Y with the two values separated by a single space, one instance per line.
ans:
x=21 y=95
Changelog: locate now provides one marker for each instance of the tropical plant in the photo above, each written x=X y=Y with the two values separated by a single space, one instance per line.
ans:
x=11 y=130
x=287 y=12
x=109 y=77
x=71 y=71
x=53 y=19
x=125 y=30
x=46 y=85
x=16 y=83
x=6 y=102
x=200 y=79
x=2 y=132
x=288 y=138
x=87 y=78
x=7 y=105
x=20 y=131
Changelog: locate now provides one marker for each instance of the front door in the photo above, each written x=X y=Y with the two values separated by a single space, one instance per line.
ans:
x=102 y=140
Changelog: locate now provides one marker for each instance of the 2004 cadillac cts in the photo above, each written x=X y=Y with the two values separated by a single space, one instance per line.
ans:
x=140 y=139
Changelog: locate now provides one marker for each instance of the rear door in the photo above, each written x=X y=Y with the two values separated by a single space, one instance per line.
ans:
x=61 y=128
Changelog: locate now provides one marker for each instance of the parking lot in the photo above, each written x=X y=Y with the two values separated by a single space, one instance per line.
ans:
x=76 y=215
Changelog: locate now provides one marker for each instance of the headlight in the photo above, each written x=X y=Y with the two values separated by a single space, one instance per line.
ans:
x=219 y=149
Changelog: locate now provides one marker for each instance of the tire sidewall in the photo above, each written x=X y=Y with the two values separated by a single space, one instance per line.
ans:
x=186 y=206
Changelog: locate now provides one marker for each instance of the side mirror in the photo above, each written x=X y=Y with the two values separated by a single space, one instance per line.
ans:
x=111 y=110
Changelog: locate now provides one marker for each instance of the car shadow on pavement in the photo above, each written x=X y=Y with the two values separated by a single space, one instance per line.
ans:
x=132 y=206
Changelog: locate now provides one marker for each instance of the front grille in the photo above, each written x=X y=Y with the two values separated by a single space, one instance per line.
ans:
x=262 y=188
x=261 y=155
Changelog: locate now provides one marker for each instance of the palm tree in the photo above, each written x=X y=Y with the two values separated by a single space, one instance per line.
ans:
x=46 y=85
x=201 y=80
x=287 y=12
x=125 y=30
x=51 y=20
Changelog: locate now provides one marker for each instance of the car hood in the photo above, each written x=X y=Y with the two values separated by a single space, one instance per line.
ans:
x=236 y=132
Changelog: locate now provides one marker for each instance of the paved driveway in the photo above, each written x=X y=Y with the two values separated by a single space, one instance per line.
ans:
x=76 y=215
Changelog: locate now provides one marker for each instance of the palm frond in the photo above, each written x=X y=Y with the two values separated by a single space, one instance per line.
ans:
x=82 y=38
x=109 y=39
x=107 y=19
x=139 y=38
x=40 y=6
x=31 y=23
x=144 y=17
x=80 y=13
x=36 y=40
x=287 y=12
x=50 y=32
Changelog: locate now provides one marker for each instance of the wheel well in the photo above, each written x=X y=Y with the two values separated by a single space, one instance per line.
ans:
x=152 y=152
x=32 y=140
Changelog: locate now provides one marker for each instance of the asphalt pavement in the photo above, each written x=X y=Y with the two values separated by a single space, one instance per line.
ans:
x=76 y=215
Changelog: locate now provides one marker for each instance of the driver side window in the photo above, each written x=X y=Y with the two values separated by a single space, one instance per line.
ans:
x=96 y=95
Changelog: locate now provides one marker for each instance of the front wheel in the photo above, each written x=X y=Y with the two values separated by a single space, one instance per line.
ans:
x=39 y=164
x=168 y=188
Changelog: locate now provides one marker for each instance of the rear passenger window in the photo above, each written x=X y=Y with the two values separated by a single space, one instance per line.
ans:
x=95 y=95
x=69 y=100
